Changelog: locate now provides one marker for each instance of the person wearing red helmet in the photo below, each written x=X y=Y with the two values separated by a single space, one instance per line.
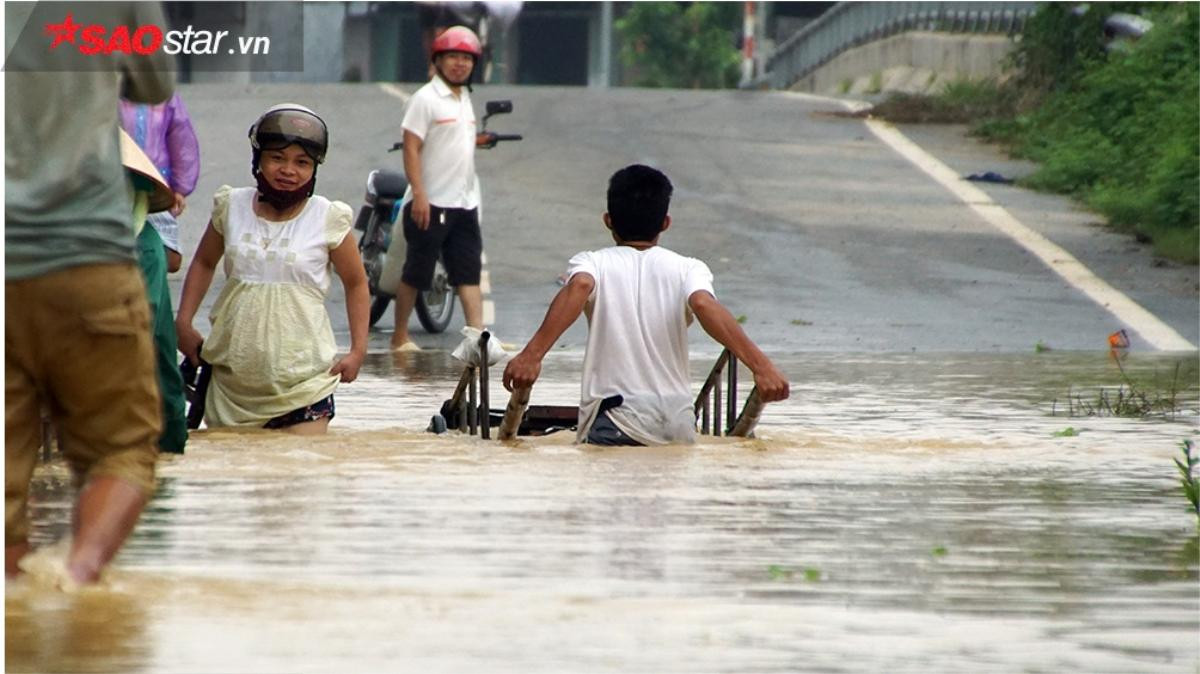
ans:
x=456 y=40
x=441 y=212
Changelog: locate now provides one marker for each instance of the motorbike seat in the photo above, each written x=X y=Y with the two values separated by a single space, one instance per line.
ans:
x=390 y=184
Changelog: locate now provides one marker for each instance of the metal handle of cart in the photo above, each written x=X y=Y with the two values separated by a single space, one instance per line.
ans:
x=709 y=403
x=484 y=410
x=515 y=412
x=748 y=419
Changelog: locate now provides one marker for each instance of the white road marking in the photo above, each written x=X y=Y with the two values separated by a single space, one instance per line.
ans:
x=485 y=291
x=393 y=90
x=1130 y=313
x=1133 y=315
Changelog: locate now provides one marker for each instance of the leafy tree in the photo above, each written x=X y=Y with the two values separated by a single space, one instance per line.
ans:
x=682 y=45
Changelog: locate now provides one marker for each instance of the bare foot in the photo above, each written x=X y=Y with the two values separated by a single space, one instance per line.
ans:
x=106 y=511
x=12 y=558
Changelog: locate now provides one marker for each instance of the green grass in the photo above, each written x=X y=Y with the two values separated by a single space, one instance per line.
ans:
x=960 y=102
x=778 y=572
x=876 y=84
x=1189 y=478
x=1138 y=398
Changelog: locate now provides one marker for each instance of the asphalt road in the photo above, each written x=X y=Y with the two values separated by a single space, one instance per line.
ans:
x=823 y=237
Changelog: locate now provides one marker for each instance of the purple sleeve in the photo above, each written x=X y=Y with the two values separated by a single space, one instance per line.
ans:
x=125 y=115
x=183 y=147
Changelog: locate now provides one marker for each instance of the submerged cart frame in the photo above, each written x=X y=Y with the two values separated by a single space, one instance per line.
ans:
x=469 y=411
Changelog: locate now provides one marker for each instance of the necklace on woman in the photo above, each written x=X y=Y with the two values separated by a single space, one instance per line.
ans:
x=282 y=223
x=268 y=240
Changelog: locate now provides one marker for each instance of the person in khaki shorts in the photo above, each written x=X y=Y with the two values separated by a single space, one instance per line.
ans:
x=77 y=322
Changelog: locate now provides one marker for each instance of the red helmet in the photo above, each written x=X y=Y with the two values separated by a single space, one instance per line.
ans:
x=457 y=38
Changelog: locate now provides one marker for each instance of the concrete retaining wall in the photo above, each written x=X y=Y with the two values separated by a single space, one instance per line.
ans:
x=913 y=62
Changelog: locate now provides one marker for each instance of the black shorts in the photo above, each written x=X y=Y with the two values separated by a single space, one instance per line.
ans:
x=319 y=410
x=452 y=232
x=605 y=432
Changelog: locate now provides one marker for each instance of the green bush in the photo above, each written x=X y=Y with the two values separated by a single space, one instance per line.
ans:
x=1058 y=45
x=1124 y=134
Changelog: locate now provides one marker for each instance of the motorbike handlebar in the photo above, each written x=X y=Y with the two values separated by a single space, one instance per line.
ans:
x=399 y=145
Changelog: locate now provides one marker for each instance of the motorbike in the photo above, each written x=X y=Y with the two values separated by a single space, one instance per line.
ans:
x=376 y=219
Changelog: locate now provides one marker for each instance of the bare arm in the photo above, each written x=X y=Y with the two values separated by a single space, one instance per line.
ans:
x=721 y=326
x=412 y=169
x=195 y=287
x=524 y=369
x=349 y=268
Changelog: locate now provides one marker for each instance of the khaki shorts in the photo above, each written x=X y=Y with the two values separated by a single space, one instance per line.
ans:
x=77 y=343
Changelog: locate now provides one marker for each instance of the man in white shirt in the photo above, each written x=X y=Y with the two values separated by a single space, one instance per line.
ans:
x=640 y=299
x=442 y=210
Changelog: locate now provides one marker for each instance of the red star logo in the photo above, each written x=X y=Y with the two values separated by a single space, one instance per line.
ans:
x=62 y=32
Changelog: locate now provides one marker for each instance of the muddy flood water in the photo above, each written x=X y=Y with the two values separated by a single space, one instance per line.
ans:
x=921 y=512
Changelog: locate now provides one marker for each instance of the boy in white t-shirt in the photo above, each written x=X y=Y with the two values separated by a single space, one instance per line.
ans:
x=639 y=299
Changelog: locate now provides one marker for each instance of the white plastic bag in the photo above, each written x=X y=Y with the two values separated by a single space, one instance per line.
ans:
x=393 y=264
x=468 y=350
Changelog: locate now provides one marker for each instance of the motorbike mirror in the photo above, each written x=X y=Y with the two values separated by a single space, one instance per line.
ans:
x=498 y=107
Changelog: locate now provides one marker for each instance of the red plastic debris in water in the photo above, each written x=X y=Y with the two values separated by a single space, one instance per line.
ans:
x=1118 y=340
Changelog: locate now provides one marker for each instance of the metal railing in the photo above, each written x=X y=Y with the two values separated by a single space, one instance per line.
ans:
x=850 y=24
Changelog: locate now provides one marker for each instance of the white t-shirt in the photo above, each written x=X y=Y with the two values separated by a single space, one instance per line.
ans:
x=637 y=341
x=446 y=126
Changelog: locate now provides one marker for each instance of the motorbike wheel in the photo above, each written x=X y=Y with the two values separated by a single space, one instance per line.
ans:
x=435 y=306
x=379 y=305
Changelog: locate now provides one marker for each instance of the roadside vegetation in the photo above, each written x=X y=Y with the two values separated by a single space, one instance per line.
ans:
x=670 y=44
x=1135 y=397
x=1189 y=477
x=1116 y=127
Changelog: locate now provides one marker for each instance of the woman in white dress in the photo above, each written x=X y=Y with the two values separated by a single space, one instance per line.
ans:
x=273 y=355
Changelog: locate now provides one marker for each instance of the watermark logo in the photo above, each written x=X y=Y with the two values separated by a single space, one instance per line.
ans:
x=63 y=32
x=96 y=39
x=213 y=36
x=145 y=39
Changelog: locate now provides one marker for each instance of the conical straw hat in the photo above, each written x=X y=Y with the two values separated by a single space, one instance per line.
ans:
x=136 y=161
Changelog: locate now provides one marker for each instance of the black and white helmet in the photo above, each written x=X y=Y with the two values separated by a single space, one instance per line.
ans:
x=289 y=123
